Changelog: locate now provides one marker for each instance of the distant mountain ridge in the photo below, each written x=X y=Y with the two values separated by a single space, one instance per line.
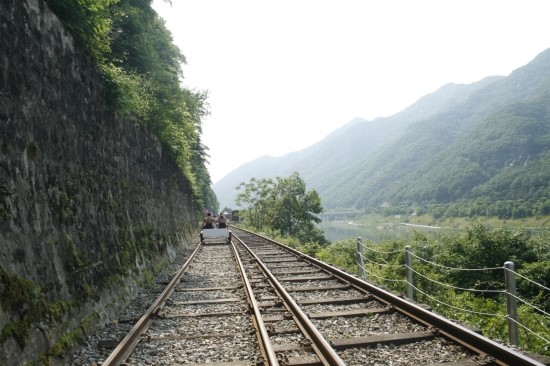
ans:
x=455 y=143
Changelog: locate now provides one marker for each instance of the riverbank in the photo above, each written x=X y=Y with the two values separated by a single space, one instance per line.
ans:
x=378 y=228
x=454 y=222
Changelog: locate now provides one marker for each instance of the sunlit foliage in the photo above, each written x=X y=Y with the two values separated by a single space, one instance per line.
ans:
x=142 y=69
x=471 y=297
x=283 y=206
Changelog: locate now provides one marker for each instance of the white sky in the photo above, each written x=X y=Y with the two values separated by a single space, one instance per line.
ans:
x=283 y=74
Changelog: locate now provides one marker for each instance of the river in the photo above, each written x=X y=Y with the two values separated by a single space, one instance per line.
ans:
x=340 y=230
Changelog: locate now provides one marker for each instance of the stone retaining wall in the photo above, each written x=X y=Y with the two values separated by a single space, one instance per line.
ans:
x=89 y=203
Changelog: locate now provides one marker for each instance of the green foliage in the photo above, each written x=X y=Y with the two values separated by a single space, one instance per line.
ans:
x=533 y=274
x=283 y=206
x=474 y=208
x=256 y=198
x=340 y=254
x=126 y=92
x=308 y=233
x=77 y=335
x=66 y=215
x=142 y=71
x=484 y=247
x=294 y=208
x=88 y=21
x=441 y=285
x=17 y=292
x=145 y=238
x=25 y=300
x=539 y=324
x=496 y=154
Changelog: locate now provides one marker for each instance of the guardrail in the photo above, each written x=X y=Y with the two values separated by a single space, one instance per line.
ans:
x=508 y=287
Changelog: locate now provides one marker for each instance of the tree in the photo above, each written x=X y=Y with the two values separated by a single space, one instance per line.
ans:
x=256 y=199
x=295 y=209
x=484 y=247
x=283 y=205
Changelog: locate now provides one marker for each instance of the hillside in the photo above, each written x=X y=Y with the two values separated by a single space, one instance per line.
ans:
x=460 y=142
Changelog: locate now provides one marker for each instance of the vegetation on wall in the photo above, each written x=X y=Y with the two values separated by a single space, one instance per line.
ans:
x=25 y=301
x=142 y=69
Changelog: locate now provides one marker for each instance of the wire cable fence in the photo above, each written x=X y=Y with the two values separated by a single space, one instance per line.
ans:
x=430 y=282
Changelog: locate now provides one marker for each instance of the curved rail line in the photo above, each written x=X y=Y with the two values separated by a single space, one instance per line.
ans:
x=300 y=310
x=487 y=351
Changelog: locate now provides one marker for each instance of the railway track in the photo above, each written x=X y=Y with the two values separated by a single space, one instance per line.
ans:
x=256 y=302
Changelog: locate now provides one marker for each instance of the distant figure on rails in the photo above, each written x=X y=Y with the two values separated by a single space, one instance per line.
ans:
x=221 y=221
x=208 y=222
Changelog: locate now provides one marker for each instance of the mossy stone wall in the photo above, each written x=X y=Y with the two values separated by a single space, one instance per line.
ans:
x=90 y=203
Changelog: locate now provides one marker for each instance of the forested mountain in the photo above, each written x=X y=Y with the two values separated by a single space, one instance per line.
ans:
x=489 y=139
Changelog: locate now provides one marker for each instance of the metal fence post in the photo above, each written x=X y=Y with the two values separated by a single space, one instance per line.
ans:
x=511 y=303
x=409 y=272
x=360 y=263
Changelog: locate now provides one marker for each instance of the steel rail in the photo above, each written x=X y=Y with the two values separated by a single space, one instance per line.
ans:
x=326 y=352
x=466 y=337
x=129 y=343
x=265 y=343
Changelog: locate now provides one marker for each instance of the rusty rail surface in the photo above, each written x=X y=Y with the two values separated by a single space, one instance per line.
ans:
x=457 y=333
x=263 y=337
x=324 y=350
x=127 y=345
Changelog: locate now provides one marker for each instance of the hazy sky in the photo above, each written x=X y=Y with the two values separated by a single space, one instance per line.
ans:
x=283 y=74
